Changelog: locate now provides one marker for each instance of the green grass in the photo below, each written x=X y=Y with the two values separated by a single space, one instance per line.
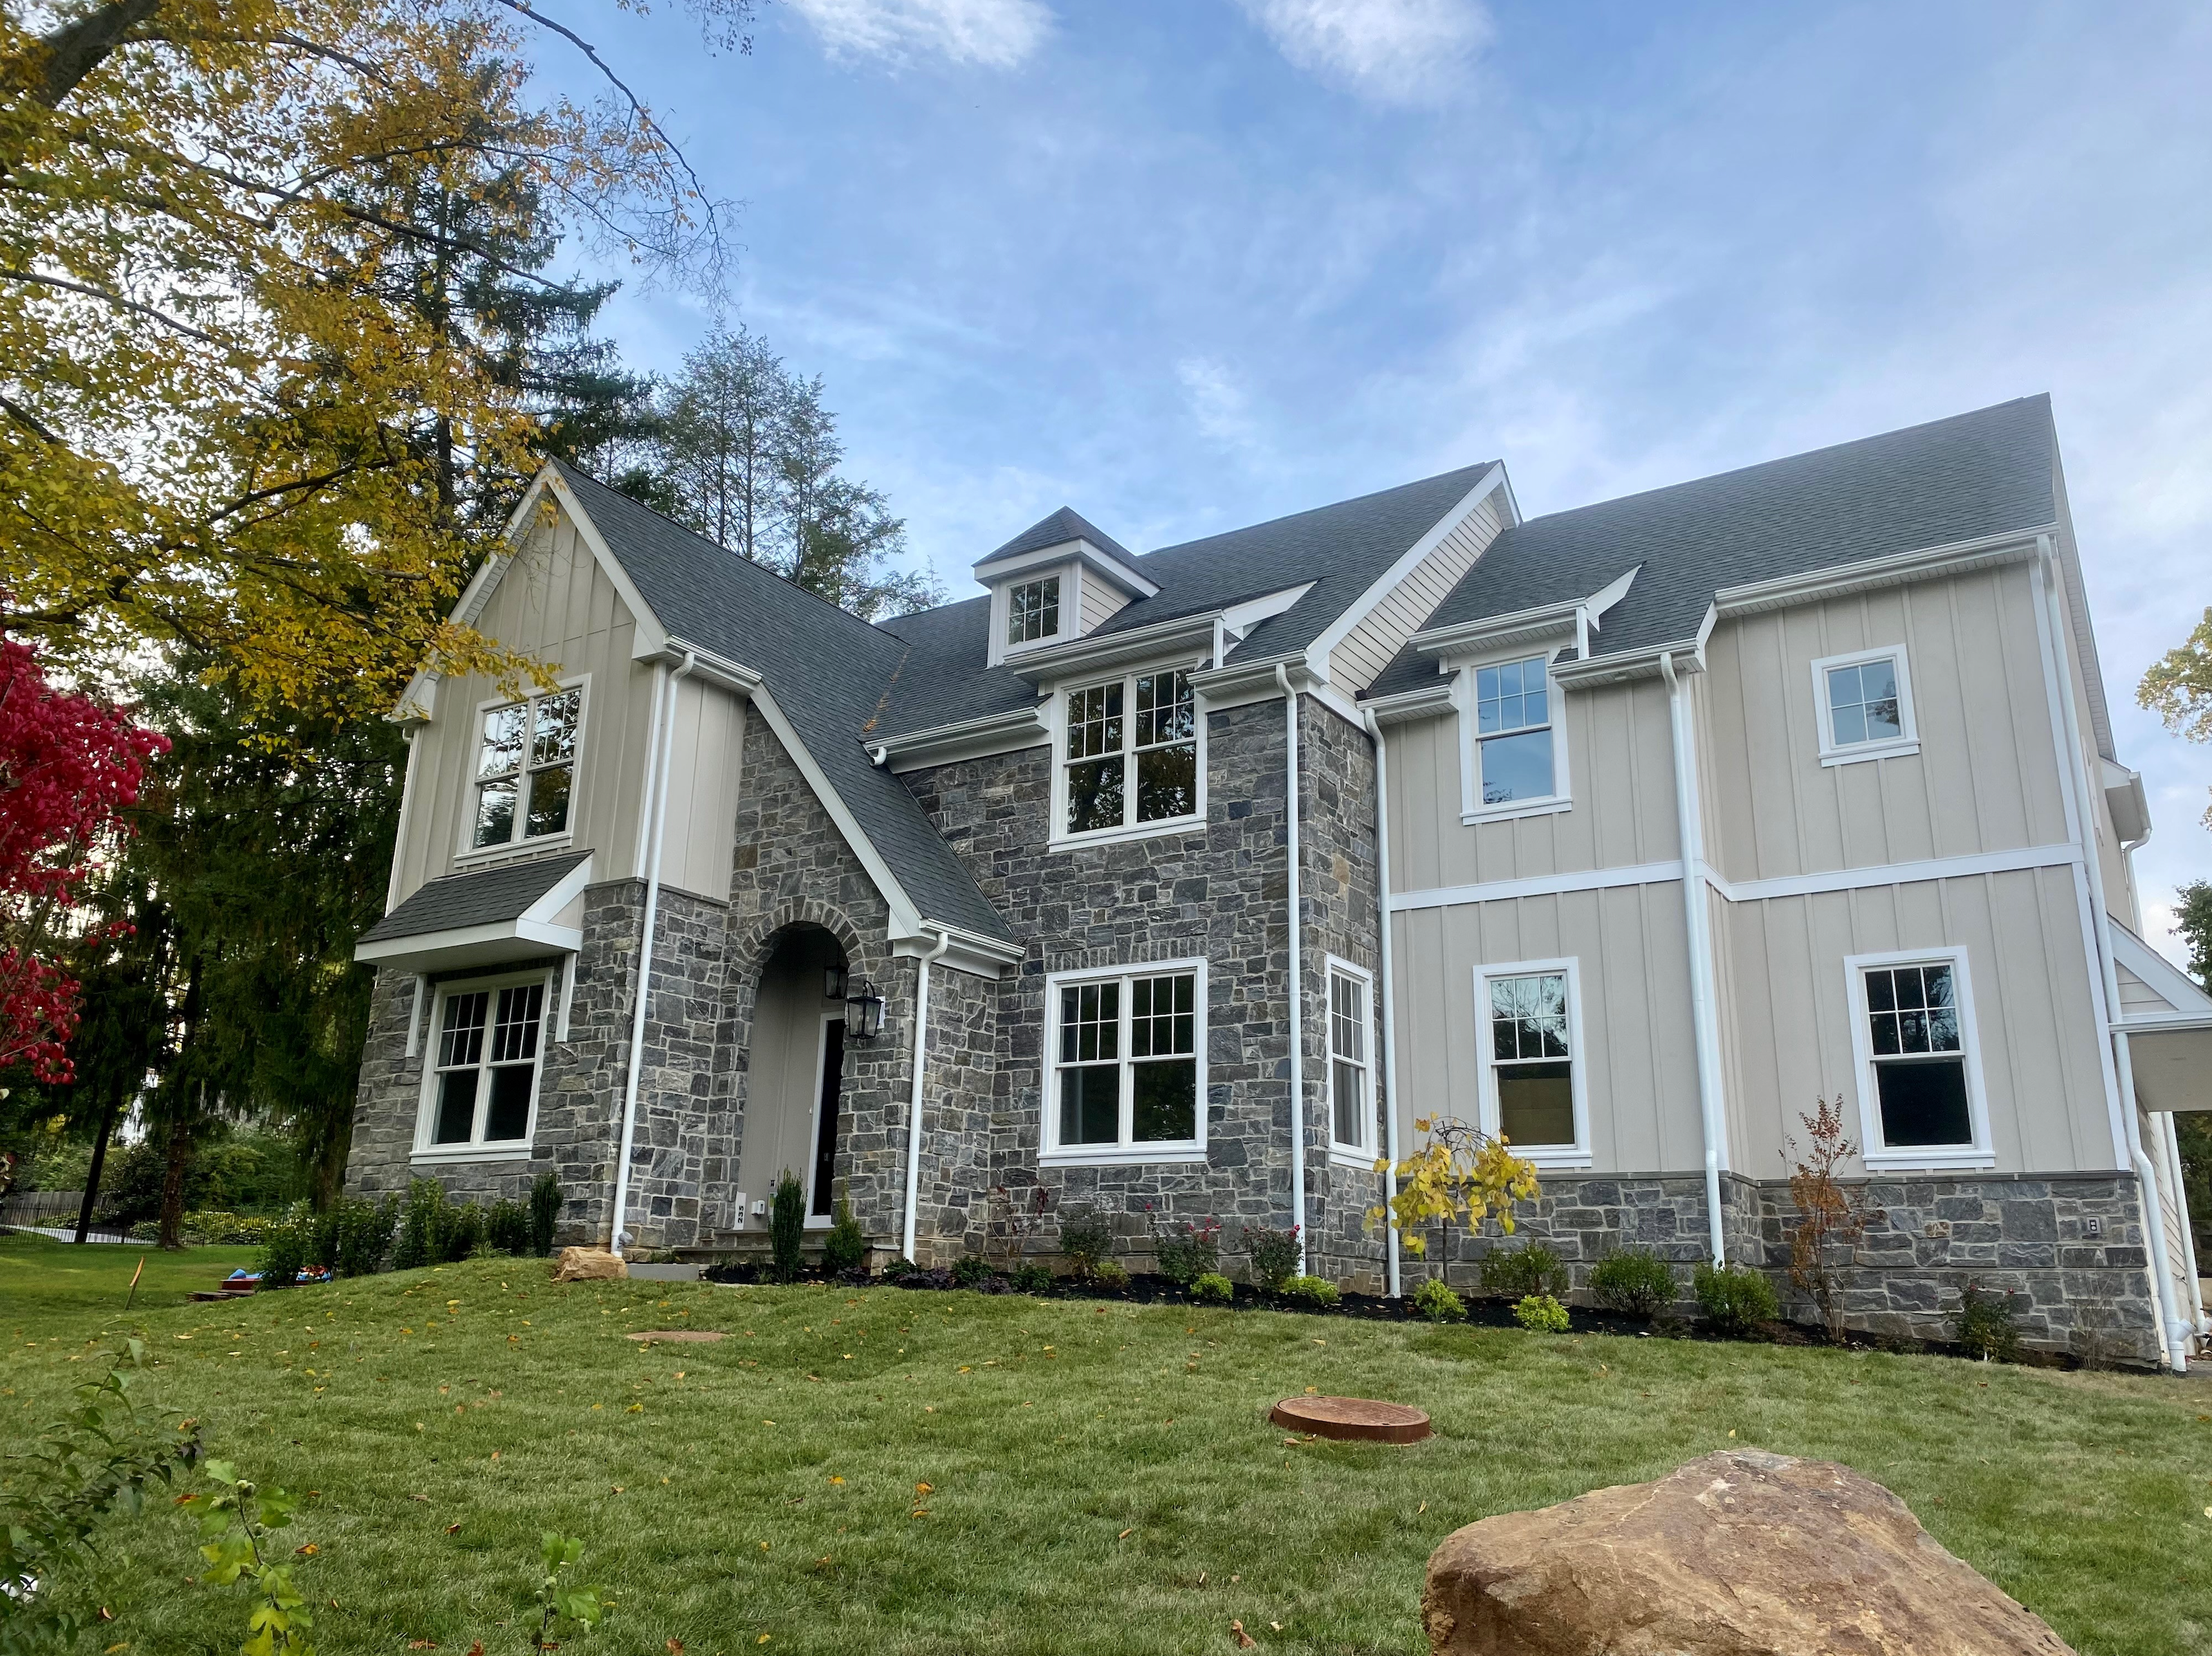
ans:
x=1100 y=1478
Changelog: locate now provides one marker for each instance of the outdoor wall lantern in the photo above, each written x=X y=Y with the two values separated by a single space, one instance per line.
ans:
x=833 y=982
x=864 y=1011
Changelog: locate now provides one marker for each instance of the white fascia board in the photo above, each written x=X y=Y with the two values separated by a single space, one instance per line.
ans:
x=2159 y=975
x=707 y=665
x=968 y=739
x=565 y=891
x=1429 y=701
x=2125 y=798
x=471 y=946
x=1318 y=652
x=1098 y=651
x=1241 y=684
x=1104 y=564
x=1611 y=593
x=1499 y=632
x=989 y=958
x=1241 y=618
x=1838 y=580
x=1688 y=654
x=906 y=920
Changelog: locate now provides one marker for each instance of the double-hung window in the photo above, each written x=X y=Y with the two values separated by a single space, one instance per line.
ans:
x=1531 y=1029
x=481 y=1089
x=1864 y=705
x=1125 y=1079
x=526 y=768
x=1351 y=1065
x=1920 y=1089
x=1033 y=610
x=1130 y=757
x=1511 y=753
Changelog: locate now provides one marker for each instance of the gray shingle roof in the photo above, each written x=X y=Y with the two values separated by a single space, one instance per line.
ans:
x=1987 y=472
x=1057 y=530
x=826 y=668
x=483 y=898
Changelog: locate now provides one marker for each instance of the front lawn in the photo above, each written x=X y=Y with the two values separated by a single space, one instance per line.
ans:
x=1097 y=1478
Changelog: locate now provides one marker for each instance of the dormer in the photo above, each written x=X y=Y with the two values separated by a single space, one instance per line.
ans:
x=1058 y=580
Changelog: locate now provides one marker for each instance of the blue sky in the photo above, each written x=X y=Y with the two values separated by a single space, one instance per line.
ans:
x=1185 y=265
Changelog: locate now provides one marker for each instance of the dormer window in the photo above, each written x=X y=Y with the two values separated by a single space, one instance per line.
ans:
x=1033 y=610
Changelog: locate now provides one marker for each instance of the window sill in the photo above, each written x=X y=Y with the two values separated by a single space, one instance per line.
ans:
x=1112 y=1156
x=1350 y=1155
x=1518 y=809
x=1554 y=1160
x=1871 y=750
x=1115 y=836
x=1907 y=1161
x=457 y=1155
x=516 y=850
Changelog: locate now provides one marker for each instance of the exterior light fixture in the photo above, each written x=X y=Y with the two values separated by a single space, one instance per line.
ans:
x=833 y=984
x=864 y=1011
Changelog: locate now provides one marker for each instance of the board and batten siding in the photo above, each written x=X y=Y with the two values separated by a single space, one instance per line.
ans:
x=1986 y=776
x=1368 y=648
x=705 y=775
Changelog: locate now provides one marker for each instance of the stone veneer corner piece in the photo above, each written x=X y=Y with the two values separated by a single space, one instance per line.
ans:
x=1736 y=1554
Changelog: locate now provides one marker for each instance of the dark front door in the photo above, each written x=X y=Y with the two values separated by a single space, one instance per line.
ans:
x=825 y=1115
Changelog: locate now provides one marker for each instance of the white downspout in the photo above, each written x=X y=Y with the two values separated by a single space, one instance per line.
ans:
x=1697 y=924
x=665 y=747
x=1297 y=992
x=913 y=1103
x=2173 y=1328
x=1389 y=1054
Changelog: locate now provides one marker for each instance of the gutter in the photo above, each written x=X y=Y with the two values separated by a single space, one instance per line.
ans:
x=1389 y=1054
x=617 y=1237
x=2174 y=1329
x=1698 y=927
x=914 y=1105
x=1297 y=988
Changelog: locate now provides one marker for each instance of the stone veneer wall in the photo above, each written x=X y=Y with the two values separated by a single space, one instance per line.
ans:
x=2024 y=1234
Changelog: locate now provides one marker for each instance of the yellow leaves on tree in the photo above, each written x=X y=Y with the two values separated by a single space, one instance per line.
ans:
x=230 y=412
x=1461 y=1173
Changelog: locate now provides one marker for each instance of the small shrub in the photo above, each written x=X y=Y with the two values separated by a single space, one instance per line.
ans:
x=1540 y=1313
x=1032 y=1277
x=1110 y=1274
x=1517 y=1273
x=900 y=1267
x=1087 y=1240
x=1273 y=1255
x=1315 y=1292
x=1213 y=1289
x=787 y=1225
x=284 y=1251
x=544 y=1213
x=1736 y=1299
x=1184 y=1251
x=459 y=1232
x=418 y=1243
x=1635 y=1283
x=1435 y=1301
x=364 y=1235
x=1984 y=1325
x=847 y=1244
x=970 y=1270
x=507 y=1227
x=1832 y=1217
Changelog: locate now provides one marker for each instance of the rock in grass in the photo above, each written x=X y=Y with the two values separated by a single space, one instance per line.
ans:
x=588 y=1265
x=1736 y=1554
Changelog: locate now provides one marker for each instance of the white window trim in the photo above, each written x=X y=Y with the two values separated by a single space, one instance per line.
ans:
x=1578 y=1154
x=518 y=848
x=1908 y=740
x=824 y=1221
x=427 y=1154
x=1877 y=1156
x=1361 y=1156
x=1472 y=810
x=1056 y=723
x=1070 y=611
x=1051 y=1153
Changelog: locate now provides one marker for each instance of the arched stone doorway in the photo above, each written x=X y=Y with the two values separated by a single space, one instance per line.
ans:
x=794 y=1081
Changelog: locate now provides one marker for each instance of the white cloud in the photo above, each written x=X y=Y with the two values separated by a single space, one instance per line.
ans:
x=1397 y=50
x=996 y=33
x=1217 y=404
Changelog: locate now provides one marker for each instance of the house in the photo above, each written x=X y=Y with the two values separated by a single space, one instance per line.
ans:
x=1628 y=832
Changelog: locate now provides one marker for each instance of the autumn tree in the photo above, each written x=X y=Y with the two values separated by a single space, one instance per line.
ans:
x=2178 y=687
x=233 y=409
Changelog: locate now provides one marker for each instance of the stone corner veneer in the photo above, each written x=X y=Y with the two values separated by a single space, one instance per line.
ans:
x=1740 y=1553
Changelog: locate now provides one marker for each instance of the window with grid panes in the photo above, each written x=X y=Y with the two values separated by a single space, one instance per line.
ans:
x=525 y=769
x=1513 y=731
x=485 y=1068
x=1532 y=1065
x=1351 y=1091
x=1132 y=752
x=1033 y=610
x=1126 y=1062
x=1918 y=1055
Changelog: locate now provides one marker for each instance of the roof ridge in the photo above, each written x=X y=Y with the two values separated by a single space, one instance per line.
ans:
x=1477 y=467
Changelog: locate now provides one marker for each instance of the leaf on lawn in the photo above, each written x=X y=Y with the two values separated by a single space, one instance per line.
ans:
x=310 y=1549
x=452 y=1529
x=635 y=1409
x=675 y=1647
x=837 y=1480
x=1244 y=1640
x=421 y=1644
x=1126 y=1534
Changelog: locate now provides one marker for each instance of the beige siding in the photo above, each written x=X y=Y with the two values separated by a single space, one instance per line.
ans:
x=2137 y=997
x=1640 y=1063
x=1102 y=602
x=555 y=603
x=1619 y=761
x=1368 y=648
x=1790 y=1011
x=704 y=779
x=1984 y=778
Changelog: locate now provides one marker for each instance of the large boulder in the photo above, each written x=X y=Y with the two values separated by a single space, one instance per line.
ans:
x=1737 y=1554
x=589 y=1265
